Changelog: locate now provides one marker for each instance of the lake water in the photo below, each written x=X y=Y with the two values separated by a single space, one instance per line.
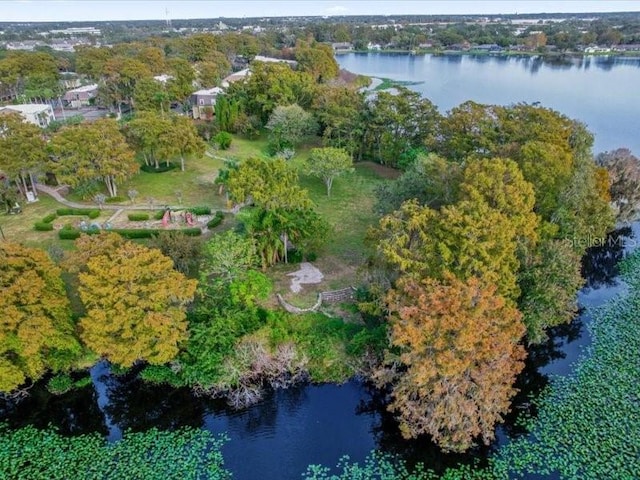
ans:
x=289 y=429
x=599 y=91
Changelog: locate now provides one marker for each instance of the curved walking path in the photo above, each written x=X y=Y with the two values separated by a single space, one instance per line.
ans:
x=60 y=199
x=52 y=192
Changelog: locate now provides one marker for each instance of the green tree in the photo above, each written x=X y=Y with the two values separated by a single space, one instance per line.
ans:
x=430 y=179
x=184 y=138
x=288 y=126
x=93 y=151
x=549 y=281
x=339 y=113
x=465 y=239
x=22 y=151
x=150 y=134
x=459 y=346
x=397 y=124
x=36 y=332
x=211 y=71
x=624 y=176
x=500 y=184
x=185 y=251
x=318 y=60
x=271 y=85
x=143 y=315
x=328 y=163
x=149 y=94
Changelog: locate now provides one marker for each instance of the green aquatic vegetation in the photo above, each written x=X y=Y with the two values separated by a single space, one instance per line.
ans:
x=189 y=454
x=588 y=425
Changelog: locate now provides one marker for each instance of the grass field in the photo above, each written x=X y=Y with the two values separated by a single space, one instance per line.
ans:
x=348 y=211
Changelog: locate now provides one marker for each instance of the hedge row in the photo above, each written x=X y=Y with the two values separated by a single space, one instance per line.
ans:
x=131 y=233
x=49 y=218
x=138 y=217
x=91 y=213
x=200 y=210
x=216 y=220
x=43 y=226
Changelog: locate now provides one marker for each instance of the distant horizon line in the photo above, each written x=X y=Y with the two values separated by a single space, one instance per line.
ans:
x=164 y=19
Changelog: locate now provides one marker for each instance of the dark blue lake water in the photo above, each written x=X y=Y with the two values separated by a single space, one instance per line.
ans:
x=599 y=91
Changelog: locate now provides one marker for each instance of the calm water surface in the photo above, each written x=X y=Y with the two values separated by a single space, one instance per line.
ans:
x=599 y=91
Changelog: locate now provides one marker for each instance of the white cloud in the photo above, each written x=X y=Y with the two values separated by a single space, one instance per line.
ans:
x=336 y=10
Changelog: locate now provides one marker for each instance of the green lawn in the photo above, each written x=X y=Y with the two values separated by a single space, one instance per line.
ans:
x=19 y=228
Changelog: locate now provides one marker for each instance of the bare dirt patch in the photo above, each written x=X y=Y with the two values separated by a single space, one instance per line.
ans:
x=382 y=170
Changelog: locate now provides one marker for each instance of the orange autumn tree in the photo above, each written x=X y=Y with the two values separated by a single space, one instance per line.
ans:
x=36 y=329
x=135 y=302
x=456 y=357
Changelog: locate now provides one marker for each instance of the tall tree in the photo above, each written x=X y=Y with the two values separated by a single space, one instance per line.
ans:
x=149 y=133
x=142 y=317
x=22 y=151
x=288 y=126
x=500 y=184
x=465 y=239
x=430 y=179
x=624 y=176
x=184 y=137
x=328 y=163
x=318 y=60
x=93 y=151
x=37 y=331
x=458 y=345
x=549 y=281
x=212 y=70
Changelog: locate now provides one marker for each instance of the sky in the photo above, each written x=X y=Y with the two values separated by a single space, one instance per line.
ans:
x=97 y=10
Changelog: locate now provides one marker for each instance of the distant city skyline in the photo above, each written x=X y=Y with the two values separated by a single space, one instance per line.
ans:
x=103 y=10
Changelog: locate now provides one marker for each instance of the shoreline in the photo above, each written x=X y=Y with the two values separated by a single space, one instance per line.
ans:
x=506 y=53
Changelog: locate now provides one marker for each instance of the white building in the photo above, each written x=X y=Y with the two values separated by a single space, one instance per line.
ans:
x=38 y=113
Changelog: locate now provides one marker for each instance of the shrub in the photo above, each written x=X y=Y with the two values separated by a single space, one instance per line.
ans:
x=49 y=218
x=91 y=213
x=295 y=256
x=69 y=234
x=115 y=200
x=138 y=217
x=216 y=220
x=223 y=139
x=158 y=215
x=163 y=167
x=200 y=210
x=43 y=226
x=60 y=384
x=312 y=256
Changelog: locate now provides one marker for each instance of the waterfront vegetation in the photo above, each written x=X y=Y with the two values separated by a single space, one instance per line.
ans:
x=455 y=228
x=32 y=454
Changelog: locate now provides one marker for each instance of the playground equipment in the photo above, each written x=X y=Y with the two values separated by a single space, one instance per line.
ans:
x=166 y=217
x=188 y=217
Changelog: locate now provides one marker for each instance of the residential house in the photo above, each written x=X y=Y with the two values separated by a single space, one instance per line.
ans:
x=81 y=96
x=203 y=102
x=374 y=46
x=631 y=47
x=38 y=113
x=236 y=77
x=261 y=58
